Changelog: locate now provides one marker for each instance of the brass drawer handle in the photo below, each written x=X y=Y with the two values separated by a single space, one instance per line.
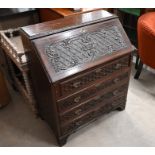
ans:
x=118 y=66
x=76 y=84
x=97 y=85
x=92 y=103
x=116 y=80
x=77 y=99
x=97 y=97
x=98 y=70
x=115 y=92
x=78 y=123
x=77 y=112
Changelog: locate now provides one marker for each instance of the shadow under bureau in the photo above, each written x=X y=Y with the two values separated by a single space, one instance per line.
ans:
x=80 y=68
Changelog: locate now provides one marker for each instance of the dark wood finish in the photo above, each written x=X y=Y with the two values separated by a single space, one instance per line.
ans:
x=73 y=97
x=51 y=27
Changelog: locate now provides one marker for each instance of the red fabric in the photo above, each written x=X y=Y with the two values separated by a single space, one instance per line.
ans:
x=146 y=38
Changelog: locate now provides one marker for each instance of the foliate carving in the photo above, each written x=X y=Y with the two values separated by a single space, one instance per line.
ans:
x=84 y=48
x=118 y=102
x=95 y=102
x=70 y=102
x=106 y=70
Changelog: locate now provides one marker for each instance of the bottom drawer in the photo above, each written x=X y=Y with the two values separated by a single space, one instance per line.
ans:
x=91 y=116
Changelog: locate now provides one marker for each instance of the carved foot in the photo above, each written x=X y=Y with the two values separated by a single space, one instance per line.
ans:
x=62 y=141
x=121 y=108
x=38 y=115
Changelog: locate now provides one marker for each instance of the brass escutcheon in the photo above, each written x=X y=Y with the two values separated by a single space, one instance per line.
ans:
x=77 y=99
x=77 y=112
x=116 y=80
x=115 y=92
x=76 y=84
x=98 y=70
x=118 y=66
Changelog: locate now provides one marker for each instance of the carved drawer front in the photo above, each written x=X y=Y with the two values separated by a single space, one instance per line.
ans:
x=92 y=103
x=87 y=78
x=92 y=115
x=74 y=100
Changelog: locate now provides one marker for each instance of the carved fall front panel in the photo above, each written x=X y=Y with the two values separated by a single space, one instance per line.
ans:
x=84 y=48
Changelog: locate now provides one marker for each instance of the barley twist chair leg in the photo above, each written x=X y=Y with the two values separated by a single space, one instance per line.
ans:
x=12 y=73
x=30 y=93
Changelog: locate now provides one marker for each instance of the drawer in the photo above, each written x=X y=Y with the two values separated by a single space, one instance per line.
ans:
x=92 y=115
x=93 y=103
x=83 y=95
x=81 y=81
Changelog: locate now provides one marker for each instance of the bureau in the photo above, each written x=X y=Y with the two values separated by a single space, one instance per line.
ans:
x=80 y=68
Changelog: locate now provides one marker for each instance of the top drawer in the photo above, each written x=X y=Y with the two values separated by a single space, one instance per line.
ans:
x=82 y=80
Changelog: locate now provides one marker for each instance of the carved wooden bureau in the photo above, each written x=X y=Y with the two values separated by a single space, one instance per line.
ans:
x=80 y=69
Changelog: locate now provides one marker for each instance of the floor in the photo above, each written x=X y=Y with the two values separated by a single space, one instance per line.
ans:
x=135 y=126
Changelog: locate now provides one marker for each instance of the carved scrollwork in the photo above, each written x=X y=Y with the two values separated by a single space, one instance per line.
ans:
x=84 y=48
x=117 y=103
x=95 y=102
x=84 y=95
x=94 y=75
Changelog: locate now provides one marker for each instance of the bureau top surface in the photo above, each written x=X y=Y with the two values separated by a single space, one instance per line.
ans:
x=75 y=50
x=70 y=22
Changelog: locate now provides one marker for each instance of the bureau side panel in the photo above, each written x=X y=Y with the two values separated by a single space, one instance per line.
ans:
x=41 y=87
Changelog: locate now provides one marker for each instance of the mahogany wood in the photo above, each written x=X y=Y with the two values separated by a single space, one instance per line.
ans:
x=49 y=27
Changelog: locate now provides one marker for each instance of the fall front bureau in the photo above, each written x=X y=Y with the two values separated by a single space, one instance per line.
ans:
x=80 y=69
